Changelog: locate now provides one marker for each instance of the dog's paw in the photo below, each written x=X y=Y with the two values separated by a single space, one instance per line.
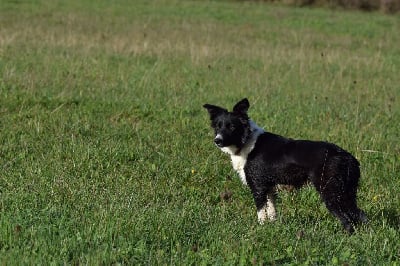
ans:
x=261 y=215
x=271 y=212
x=272 y=217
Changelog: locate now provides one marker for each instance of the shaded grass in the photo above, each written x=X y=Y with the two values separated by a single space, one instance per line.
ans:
x=106 y=152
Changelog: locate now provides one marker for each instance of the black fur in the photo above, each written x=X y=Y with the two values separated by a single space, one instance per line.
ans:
x=274 y=160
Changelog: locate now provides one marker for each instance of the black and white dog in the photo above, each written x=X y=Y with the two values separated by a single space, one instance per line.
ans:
x=264 y=160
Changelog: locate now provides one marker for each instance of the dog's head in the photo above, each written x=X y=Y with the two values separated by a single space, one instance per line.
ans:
x=231 y=128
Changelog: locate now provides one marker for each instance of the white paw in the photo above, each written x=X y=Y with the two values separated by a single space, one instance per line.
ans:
x=261 y=214
x=272 y=217
x=271 y=212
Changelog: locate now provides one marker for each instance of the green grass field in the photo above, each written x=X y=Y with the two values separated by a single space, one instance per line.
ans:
x=106 y=154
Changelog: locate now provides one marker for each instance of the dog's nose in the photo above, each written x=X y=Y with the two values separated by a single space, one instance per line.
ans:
x=218 y=141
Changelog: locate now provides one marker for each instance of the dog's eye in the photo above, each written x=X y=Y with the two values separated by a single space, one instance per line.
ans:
x=232 y=127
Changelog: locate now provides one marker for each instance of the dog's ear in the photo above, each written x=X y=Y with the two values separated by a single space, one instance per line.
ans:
x=242 y=106
x=213 y=110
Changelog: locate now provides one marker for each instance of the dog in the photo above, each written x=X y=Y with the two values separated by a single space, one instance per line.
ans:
x=264 y=160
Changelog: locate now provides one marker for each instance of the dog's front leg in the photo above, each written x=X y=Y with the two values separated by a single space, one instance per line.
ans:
x=271 y=211
x=265 y=203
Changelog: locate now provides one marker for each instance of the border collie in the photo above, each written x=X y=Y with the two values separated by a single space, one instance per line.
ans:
x=264 y=160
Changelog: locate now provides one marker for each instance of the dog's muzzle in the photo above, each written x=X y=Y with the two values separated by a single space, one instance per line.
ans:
x=219 y=141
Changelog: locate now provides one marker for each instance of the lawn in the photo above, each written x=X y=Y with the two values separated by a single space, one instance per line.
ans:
x=106 y=153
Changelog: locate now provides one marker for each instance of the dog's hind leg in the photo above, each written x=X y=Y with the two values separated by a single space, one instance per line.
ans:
x=341 y=202
x=350 y=201
x=355 y=214
x=340 y=210
x=337 y=186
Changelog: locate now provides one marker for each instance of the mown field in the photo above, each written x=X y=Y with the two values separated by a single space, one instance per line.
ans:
x=106 y=154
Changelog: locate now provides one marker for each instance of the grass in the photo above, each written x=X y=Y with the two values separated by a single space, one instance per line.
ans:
x=107 y=155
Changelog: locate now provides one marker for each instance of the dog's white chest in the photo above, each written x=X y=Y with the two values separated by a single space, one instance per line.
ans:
x=238 y=163
x=239 y=157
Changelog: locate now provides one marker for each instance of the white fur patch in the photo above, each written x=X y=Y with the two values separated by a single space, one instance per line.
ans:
x=271 y=212
x=267 y=210
x=239 y=160
x=261 y=214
